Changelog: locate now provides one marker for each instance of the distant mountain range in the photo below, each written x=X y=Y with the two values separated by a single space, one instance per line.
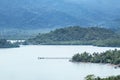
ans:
x=39 y=14
x=51 y=14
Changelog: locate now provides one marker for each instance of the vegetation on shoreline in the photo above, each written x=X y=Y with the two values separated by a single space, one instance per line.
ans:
x=78 y=36
x=5 y=44
x=92 y=77
x=110 y=56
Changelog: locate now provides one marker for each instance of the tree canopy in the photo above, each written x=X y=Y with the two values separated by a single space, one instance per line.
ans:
x=110 y=56
x=78 y=36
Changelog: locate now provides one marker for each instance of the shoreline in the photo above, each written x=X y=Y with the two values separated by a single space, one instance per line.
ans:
x=114 y=65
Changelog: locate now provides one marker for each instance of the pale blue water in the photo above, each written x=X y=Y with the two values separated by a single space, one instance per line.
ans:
x=22 y=63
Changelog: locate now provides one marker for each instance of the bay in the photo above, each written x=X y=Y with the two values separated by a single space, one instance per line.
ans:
x=23 y=63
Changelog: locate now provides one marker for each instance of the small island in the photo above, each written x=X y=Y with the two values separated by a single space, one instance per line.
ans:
x=6 y=44
x=110 y=56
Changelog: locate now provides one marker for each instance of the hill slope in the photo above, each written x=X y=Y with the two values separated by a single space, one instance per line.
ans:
x=77 y=35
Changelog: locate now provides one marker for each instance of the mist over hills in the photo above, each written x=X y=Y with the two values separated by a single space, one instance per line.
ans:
x=42 y=14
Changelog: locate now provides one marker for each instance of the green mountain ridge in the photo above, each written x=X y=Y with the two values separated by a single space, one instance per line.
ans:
x=77 y=36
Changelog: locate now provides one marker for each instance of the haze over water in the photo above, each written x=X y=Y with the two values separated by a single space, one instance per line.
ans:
x=23 y=64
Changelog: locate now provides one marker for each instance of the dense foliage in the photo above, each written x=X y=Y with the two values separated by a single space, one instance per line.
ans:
x=78 y=36
x=5 y=44
x=110 y=56
x=112 y=42
x=92 y=77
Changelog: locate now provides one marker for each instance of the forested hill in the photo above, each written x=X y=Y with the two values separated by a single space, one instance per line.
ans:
x=76 y=35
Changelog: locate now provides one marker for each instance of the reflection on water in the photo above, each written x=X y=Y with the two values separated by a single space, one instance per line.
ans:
x=23 y=64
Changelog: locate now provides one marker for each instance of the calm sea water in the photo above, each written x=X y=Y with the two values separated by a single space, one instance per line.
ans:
x=23 y=64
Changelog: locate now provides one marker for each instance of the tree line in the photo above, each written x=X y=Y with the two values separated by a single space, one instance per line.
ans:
x=76 y=35
x=110 y=56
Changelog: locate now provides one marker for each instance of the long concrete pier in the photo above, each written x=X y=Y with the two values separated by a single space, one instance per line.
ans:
x=54 y=58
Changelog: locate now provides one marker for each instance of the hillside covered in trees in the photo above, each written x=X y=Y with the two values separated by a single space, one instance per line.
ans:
x=5 y=44
x=78 y=36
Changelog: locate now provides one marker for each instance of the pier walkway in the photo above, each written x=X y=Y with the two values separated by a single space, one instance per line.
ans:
x=54 y=58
